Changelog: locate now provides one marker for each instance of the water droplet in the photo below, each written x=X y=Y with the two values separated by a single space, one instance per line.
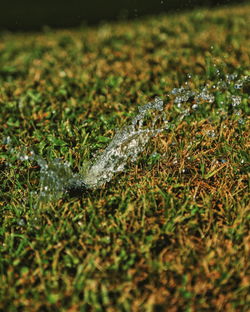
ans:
x=204 y=95
x=217 y=72
x=211 y=133
x=238 y=85
x=236 y=100
x=24 y=157
x=231 y=77
x=21 y=222
x=6 y=140
x=175 y=161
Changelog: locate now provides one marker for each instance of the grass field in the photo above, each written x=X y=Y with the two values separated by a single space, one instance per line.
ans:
x=171 y=233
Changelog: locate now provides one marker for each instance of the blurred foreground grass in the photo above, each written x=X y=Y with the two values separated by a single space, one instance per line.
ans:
x=169 y=234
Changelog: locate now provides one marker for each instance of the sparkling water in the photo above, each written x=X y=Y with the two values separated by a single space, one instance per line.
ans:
x=57 y=178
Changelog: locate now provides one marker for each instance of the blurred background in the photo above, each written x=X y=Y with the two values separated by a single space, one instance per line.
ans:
x=25 y=15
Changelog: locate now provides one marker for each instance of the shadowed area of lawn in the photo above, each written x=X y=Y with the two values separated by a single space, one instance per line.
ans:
x=31 y=15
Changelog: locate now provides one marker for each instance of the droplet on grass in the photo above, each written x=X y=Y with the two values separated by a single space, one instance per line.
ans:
x=175 y=161
x=6 y=140
x=236 y=100
x=21 y=222
x=24 y=157
x=211 y=133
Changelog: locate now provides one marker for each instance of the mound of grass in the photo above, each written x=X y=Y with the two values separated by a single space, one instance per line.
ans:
x=169 y=234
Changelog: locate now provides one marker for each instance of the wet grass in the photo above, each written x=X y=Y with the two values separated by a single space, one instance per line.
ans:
x=169 y=234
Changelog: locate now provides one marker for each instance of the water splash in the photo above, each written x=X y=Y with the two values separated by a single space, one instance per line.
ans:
x=126 y=145
x=56 y=177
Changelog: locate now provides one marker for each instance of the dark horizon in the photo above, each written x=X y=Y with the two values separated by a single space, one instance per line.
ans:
x=29 y=15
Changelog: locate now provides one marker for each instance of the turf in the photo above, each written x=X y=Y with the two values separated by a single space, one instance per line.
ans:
x=171 y=233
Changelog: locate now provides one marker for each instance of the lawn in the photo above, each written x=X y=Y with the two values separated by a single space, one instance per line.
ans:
x=171 y=232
